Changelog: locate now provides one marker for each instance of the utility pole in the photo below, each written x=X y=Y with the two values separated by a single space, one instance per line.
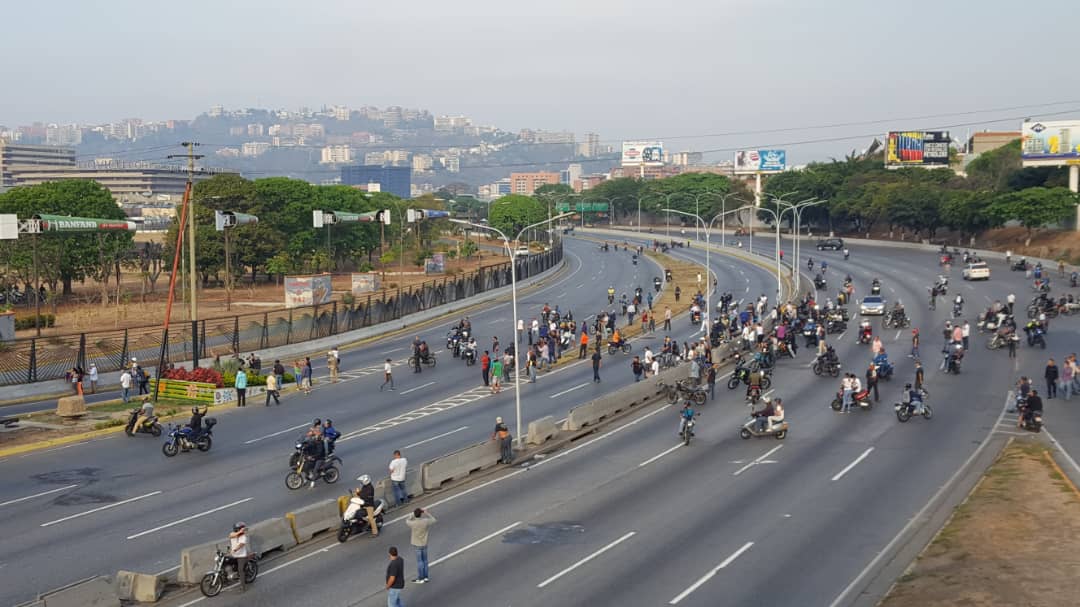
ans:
x=192 y=276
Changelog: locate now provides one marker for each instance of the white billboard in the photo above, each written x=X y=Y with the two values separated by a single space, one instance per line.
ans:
x=649 y=153
x=760 y=161
x=1051 y=143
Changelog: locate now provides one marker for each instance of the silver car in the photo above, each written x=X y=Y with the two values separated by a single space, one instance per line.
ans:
x=872 y=305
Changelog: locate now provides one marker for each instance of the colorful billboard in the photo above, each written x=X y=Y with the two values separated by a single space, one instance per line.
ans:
x=760 y=161
x=1052 y=143
x=365 y=283
x=648 y=153
x=917 y=148
x=308 y=290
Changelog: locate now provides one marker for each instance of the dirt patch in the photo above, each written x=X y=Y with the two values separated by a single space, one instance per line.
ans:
x=99 y=416
x=1014 y=541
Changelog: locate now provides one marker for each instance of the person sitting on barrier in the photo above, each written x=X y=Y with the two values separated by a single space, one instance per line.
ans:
x=330 y=435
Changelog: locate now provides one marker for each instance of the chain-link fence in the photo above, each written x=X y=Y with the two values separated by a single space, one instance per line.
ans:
x=44 y=358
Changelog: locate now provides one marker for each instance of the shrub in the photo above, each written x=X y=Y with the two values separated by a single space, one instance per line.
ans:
x=27 y=322
x=229 y=379
x=201 y=375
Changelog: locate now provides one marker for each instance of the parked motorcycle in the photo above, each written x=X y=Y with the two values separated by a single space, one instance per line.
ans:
x=359 y=524
x=329 y=473
x=151 y=426
x=832 y=367
x=859 y=400
x=179 y=438
x=906 y=410
x=749 y=429
x=682 y=389
x=225 y=572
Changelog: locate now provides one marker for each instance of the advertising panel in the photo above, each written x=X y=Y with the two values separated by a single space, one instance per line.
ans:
x=760 y=161
x=365 y=283
x=308 y=290
x=649 y=153
x=1051 y=143
x=436 y=264
x=917 y=148
x=62 y=223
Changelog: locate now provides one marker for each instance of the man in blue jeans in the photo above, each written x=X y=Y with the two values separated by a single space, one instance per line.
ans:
x=418 y=525
x=395 y=579
x=398 y=467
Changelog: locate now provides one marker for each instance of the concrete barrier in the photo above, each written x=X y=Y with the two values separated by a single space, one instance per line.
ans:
x=542 y=430
x=414 y=487
x=71 y=406
x=271 y=534
x=93 y=592
x=459 y=464
x=309 y=521
x=140 y=587
x=197 y=560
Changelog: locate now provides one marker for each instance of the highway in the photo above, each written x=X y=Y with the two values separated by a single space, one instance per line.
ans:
x=120 y=502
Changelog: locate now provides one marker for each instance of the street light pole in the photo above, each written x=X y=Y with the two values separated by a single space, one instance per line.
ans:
x=796 y=245
x=513 y=299
x=707 y=314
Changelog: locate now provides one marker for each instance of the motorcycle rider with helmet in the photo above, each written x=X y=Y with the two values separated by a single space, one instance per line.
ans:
x=314 y=452
x=238 y=551
x=915 y=397
x=367 y=494
x=1032 y=405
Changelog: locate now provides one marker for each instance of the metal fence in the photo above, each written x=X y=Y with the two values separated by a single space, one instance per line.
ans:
x=45 y=358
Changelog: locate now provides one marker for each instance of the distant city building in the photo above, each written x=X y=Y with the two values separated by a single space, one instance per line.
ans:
x=391 y=117
x=451 y=162
x=237 y=131
x=254 y=148
x=421 y=163
x=395 y=180
x=374 y=158
x=216 y=111
x=527 y=183
x=570 y=174
x=553 y=137
x=451 y=124
x=990 y=140
x=589 y=148
x=256 y=130
x=125 y=182
x=342 y=113
x=686 y=159
x=228 y=152
x=63 y=134
x=17 y=158
x=588 y=182
x=495 y=190
x=336 y=154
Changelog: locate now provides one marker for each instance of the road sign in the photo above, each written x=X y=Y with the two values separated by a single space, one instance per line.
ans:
x=414 y=215
x=229 y=219
x=63 y=223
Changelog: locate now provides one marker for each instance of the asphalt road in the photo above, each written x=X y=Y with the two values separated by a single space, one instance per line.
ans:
x=629 y=517
x=117 y=502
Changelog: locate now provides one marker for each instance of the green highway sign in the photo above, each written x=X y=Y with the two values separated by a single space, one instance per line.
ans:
x=63 y=223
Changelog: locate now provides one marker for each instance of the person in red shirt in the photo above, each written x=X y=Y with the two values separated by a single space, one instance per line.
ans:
x=485 y=367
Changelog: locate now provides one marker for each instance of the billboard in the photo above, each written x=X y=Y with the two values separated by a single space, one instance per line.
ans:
x=308 y=290
x=63 y=223
x=365 y=283
x=760 y=161
x=636 y=153
x=917 y=148
x=436 y=264
x=1053 y=143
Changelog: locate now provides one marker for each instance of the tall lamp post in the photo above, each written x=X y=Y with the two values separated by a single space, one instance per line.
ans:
x=723 y=212
x=796 y=209
x=779 y=274
x=513 y=299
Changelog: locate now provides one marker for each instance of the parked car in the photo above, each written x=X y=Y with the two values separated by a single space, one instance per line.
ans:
x=872 y=305
x=830 y=244
x=977 y=271
x=521 y=251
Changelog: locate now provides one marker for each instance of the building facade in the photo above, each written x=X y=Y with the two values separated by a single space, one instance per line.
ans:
x=527 y=183
x=17 y=158
x=395 y=180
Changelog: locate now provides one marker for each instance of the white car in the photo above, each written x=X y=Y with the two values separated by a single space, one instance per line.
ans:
x=521 y=251
x=977 y=271
x=872 y=305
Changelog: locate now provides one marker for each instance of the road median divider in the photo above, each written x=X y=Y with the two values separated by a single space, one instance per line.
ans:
x=459 y=464
x=138 y=587
x=197 y=560
x=542 y=430
x=414 y=487
x=92 y=592
x=314 y=519
x=270 y=535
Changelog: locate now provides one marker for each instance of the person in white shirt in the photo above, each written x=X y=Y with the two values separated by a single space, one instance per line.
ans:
x=520 y=328
x=238 y=549
x=125 y=385
x=388 y=375
x=93 y=378
x=398 y=467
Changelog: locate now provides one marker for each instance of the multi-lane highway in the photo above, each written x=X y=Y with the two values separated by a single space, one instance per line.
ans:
x=625 y=517
x=117 y=502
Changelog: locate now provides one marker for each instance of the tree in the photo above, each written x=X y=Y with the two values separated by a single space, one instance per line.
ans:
x=968 y=212
x=1034 y=207
x=512 y=213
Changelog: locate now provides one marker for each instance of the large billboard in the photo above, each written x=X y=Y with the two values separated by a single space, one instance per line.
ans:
x=1051 y=143
x=308 y=290
x=760 y=161
x=917 y=148
x=649 y=153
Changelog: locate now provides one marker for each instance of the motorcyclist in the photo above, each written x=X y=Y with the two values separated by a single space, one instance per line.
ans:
x=145 y=413
x=762 y=416
x=875 y=285
x=685 y=416
x=1032 y=405
x=958 y=303
x=915 y=398
x=611 y=295
x=315 y=431
x=366 y=493
x=847 y=253
x=194 y=427
x=330 y=435
x=881 y=361
x=616 y=339
x=810 y=264
x=753 y=382
x=824 y=266
x=465 y=324
x=314 y=452
x=865 y=331
x=898 y=311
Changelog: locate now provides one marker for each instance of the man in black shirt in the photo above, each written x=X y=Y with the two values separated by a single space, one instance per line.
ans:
x=596 y=364
x=1033 y=405
x=395 y=579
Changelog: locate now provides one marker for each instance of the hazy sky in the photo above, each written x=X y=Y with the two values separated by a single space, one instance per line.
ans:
x=625 y=69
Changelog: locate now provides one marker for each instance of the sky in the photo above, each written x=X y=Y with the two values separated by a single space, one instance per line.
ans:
x=686 y=72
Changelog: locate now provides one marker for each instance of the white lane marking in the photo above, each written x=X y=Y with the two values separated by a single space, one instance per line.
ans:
x=748 y=288
x=474 y=544
x=170 y=569
x=436 y=437
x=558 y=394
x=759 y=460
x=293 y=429
x=394 y=350
x=298 y=559
x=1060 y=448
x=30 y=497
x=841 y=336
x=897 y=336
x=497 y=321
x=586 y=559
x=420 y=387
x=656 y=457
x=450 y=402
x=840 y=475
x=99 y=509
x=581 y=285
x=919 y=516
x=601 y=437
x=189 y=518
x=708 y=576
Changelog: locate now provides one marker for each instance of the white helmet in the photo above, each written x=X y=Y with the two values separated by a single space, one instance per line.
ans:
x=364 y=479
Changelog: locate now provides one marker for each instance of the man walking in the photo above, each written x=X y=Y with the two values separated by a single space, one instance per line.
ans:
x=502 y=434
x=495 y=376
x=667 y=318
x=398 y=467
x=241 y=388
x=279 y=373
x=272 y=390
x=125 y=386
x=965 y=333
x=333 y=364
x=93 y=378
x=418 y=527
x=596 y=365
x=395 y=579
x=388 y=377
x=637 y=368
x=914 y=343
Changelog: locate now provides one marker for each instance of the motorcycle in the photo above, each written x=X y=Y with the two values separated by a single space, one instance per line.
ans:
x=453 y=343
x=953 y=362
x=753 y=394
x=225 y=572
x=905 y=410
x=687 y=431
x=682 y=389
x=1035 y=336
x=783 y=349
x=1020 y=265
x=819 y=283
x=150 y=426
x=469 y=356
x=1032 y=422
x=884 y=371
x=895 y=319
x=179 y=439
x=810 y=334
x=329 y=473
x=957 y=310
x=866 y=333
x=860 y=400
x=875 y=289
x=359 y=524
x=427 y=359
x=998 y=341
x=832 y=367
x=749 y=429
x=834 y=323
x=623 y=346
x=742 y=375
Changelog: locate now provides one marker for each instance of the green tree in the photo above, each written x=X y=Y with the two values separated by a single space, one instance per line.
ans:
x=512 y=213
x=967 y=212
x=1034 y=207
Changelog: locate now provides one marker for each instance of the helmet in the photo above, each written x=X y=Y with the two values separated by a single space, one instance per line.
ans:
x=329 y=422
x=195 y=410
x=239 y=525
x=317 y=422
x=364 y=479
x=907 y=386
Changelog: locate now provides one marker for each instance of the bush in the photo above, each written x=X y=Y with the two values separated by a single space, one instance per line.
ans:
x=229 y=379
x=348 y=299
x=365 y=267
x=201 y=375
x=46 y=320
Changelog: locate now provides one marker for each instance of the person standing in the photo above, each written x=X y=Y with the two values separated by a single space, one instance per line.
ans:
x=667 y=318
x=710 y=379
x=507 y=364
x=241 y=388
x=872 y=381
x=596 y=365
x=272 y=390
x=965 y=334
x=506 y=448
x=584 y=348
x=418 y=530
x=520 y=329
x=279 y=373
x=125 y=386
x=398 y=467
x=305 y=375
x=1051 y=375
x=637 y=368
x=333 y=364
x=395 y=579
x=496 y=375
x=485 y=367
x=388 y=377
x=1013 y=338
x=143 y=379
x=914 y=343
x=238 y=549
x=93 y=378
x=1066 y=377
